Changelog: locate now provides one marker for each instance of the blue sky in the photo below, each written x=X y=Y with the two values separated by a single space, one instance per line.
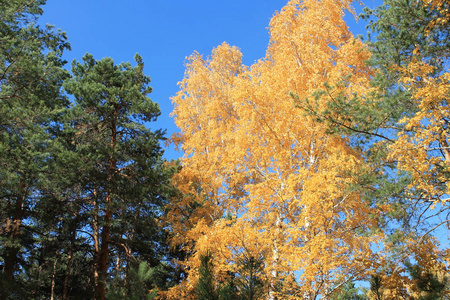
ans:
x=164 y=33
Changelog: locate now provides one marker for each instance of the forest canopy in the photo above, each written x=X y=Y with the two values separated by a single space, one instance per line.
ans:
x=320 y=171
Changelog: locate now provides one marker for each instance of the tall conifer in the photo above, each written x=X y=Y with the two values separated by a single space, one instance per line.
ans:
x=31 y=76
x=124 y=172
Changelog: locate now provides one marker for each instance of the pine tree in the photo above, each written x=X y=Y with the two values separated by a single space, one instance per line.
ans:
x=31 y=102
x=348 y=292
x=427 y=285
x=207 y=286
x=83 y=182
x=211 y=287
x=124 y=172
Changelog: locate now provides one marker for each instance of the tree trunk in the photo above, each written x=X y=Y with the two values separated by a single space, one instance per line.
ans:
x=275 y=262
x=102 y=267
x=14 y=231
x=132 y=237
x=96 y=237
x=52 y=289
x=69 y=263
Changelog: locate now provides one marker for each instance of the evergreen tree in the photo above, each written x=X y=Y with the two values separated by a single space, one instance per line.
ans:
x=376 y=287
x=123 y=174
x=348 y=292
x=244 y=284
x=427 y=284
x=139 y=287
x=31 y=103
x=207 y=286
x=82 y=183
x=249 y=278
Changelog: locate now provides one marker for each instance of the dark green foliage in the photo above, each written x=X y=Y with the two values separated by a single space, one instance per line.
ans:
x=249 y=279
x=429 y=286
x=124 y=180
x=140 y=284
x=400 y=27
x=398 y=31
x=376 y=286
x=349 y=292
x=207 y=287
x=426 y=285
x=83 y=183
x=244 y=284
x=31 y=104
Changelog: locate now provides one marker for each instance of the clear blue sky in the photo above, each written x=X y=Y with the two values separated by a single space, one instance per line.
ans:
x=164 y=33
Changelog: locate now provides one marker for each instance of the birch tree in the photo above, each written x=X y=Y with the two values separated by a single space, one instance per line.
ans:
x=260 y=177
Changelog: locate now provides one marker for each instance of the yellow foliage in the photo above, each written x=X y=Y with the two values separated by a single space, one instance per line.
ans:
x=422 y=148
x=442 y=6
x=396 y=280
x=249 y=153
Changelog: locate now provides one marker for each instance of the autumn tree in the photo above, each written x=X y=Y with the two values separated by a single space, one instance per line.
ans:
x=422 y=147
x=402 y=128
x=260 y=177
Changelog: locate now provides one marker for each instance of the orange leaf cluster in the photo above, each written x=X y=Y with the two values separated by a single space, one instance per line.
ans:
x=260 y=178
x=422 y=149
